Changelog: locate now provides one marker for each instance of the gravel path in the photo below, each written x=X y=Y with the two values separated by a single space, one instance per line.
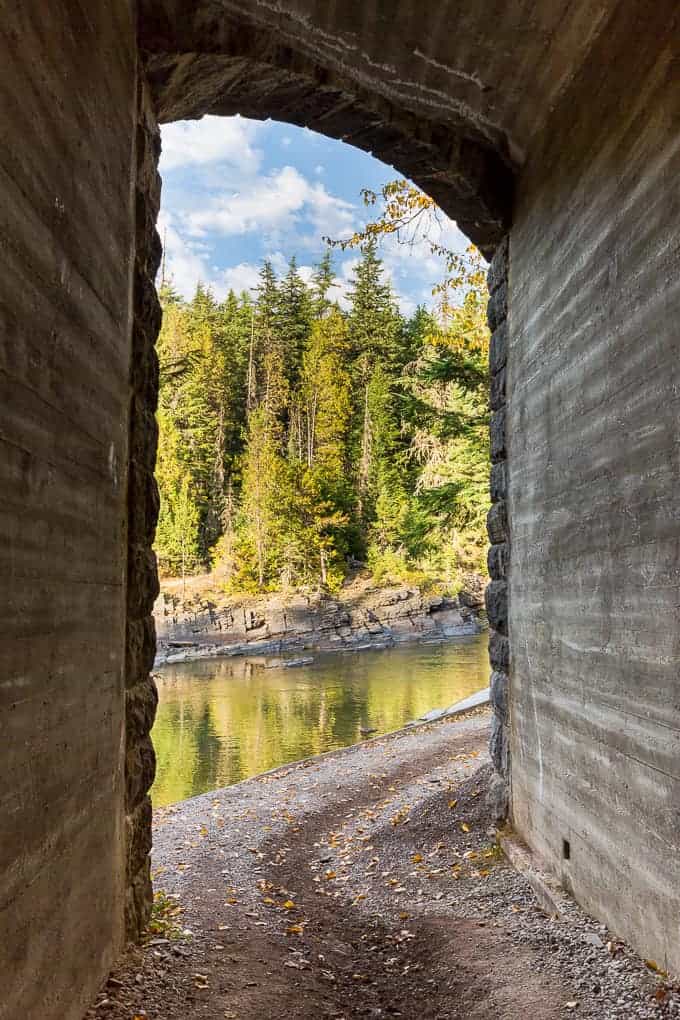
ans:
x=366 y=883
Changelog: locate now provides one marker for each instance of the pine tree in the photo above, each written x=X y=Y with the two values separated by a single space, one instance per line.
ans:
x=374 y=330
x=292 y=321
x=323 y=282
x=177 y=529
x=293 y=436
x=265 y=484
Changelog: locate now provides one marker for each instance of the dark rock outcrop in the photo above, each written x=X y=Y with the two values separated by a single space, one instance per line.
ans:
x=199 y=626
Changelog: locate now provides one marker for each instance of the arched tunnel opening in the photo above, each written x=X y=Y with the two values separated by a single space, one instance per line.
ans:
x=469 y=283
x=462 y=171
x=359 y=379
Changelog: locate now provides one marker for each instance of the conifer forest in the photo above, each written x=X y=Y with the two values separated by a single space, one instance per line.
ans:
x=299 y=439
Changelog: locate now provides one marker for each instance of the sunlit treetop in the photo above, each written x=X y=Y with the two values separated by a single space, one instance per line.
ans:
x=412 y=217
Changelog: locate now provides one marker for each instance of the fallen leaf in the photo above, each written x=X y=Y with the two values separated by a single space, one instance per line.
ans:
x=465 y=827
x=295 y=929
x=417 y=858
x=452 y=803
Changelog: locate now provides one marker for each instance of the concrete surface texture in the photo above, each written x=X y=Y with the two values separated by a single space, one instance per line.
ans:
x=572 y=107
x=66 y=242
x=594 y=404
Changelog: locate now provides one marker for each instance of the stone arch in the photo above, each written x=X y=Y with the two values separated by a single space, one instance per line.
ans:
x=310 y=68
x=462 y=162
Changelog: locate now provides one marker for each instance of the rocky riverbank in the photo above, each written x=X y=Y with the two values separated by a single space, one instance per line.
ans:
x=198 y=623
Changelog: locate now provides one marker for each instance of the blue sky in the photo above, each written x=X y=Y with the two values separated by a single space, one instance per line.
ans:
x=236 y=191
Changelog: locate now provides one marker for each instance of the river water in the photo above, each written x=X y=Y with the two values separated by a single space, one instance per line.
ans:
x=222 y=720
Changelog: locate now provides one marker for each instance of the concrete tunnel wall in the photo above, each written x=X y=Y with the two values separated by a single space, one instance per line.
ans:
x=67 y=215
x=594 y=482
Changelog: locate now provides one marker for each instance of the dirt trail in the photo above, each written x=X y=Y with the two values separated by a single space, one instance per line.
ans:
x=362 y=884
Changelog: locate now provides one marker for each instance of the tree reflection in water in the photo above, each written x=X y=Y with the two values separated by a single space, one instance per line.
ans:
x=222 y=720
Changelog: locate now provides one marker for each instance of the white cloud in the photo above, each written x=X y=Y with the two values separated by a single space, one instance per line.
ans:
x=183 y=266
x=227 y=209
x=211 y=140
x=276 y=202
x=244 y=276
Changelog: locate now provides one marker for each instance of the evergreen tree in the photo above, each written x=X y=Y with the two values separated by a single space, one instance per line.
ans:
x=322 y=283
x=177 y=529
x=265 y=484
x=294 y=437
x=292 y=322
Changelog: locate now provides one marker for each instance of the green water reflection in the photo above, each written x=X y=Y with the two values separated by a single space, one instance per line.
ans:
x=223 y=720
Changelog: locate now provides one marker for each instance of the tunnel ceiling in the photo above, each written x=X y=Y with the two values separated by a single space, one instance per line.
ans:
x=450 y=93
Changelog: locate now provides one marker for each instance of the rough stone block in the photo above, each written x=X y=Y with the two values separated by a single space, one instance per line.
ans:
x=499 y=651
x=140 y=649
x=498 y=745
x=498 y=270
x=141 y=702
x=143 y=504
x=148 y=312
x=139 y=839
x=497 y=561
x=143 y=587
x=138 y=901
x=144 y=370
x=498 y=694
x=143 y=434
x=497 y=522
x=497 y=430
x=497 y=309
x=497 y=389
x=496 y=598
x=498 y=348
x=140 y=771
x=498 y=798
x=498 y=481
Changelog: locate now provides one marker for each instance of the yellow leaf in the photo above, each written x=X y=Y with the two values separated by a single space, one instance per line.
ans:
x=289 y=905
x=452 y=803
x=653 y=965
x=269 y=901
x=295 y=929
x=465 y=827
x=417 y=858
